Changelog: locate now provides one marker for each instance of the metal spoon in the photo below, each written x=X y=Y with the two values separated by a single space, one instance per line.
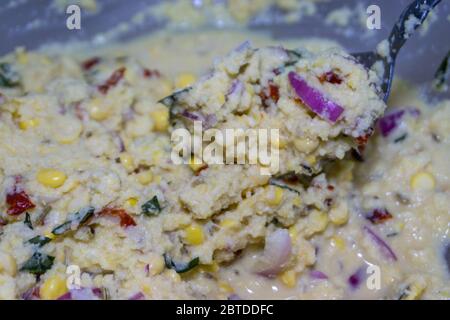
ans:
x=399 y=34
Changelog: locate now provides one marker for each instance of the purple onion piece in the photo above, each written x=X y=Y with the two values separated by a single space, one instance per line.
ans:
x=390 y=122
x=277 y=251
x=357 y=278
x=243 y=46
x=314 y=99
x=82 y=294
x=137 y=296
x=319 y=275
x=384 y=248
x=236 y=87
x=194 y=116
x=234 y=297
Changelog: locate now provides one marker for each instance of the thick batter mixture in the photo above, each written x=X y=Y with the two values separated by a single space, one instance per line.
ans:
x=86 y=178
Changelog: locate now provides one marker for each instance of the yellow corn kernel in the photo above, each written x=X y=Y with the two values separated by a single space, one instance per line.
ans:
x=145 y=177
x=97 y=110
x=184 y=80
x=225 y=287
x=414 y=291
x=147 y=289
x=289 y=278
x=196 y=164
x=275 y=195
x=127 y=161
x=297 y=201
x=311 y=159
x=132 y=201
x=221 y=99
x=338 y=242
x=318 y=222
x=280 y=143
x=194 y=235
x=157 y=265
x=53 y=288
x=306 y=145
x=50 y=235
x=172 y=275
x=28 y=124
x=339 y=215
x=51 y=178
x=423 y=181
x=160 y=119
x=210 y=268
x=7 y=264
x=22 y=56
x=293 y=233
x=229 y=224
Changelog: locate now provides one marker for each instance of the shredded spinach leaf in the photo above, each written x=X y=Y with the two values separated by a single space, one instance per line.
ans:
x=38 y=264
x=8 y=77
x=79 y=218
x=442 y=74
x=151 y=207
x=180 y=267
x=171 y=100
x=39 y=240
x=27 y=221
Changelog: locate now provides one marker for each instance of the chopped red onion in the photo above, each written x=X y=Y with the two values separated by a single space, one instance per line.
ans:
x=277 y=251
x=82 y=294
x=137 y=296
x=314 y=99
x=390 y=122
x=319 y=275
x=355 y=279
x=234 y=297
x=385 y=250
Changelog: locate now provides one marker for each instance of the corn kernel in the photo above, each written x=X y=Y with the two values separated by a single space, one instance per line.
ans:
x=229 y=224
x=306 y=145
x=53 y=288
x=210 y=268
x=275 y=195
x=145 y=177
x=160 y=119
x=293 y=233
x=194 y=235
x=157 y=265
x=423 y=181
x=147 y=289
x=184 y=80
x=414 y=291
x=221 y=99
x=132 y=201
x=225 y=287
x=127 y=161
x=297 y=201
x=50 y=235
x=22 y=56
x=289 y=278
x=339 y=214
x=317 y=222
x=28 y=124
x=173 y=275
x=97 y=110
x=7 y=264
x=51 y=178
x=338 y=242
x=311 y=159
x=196 y=164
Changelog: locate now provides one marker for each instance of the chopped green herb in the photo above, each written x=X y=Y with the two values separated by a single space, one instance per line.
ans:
x=38 y=264
x=274 y=182
x=151 y=207
x=78 y=219
x=8 y=77
x=171 y=100
x=180 y=267
x=39 y=240
x=442 y=74
x=27 y=221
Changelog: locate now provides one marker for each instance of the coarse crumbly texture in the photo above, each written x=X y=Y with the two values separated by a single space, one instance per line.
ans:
x=252 y=88
x=85 y=164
